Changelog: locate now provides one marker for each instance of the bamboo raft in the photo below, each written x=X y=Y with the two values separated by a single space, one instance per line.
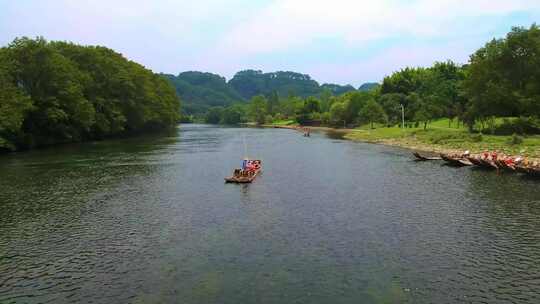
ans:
x=250 y=170
x=243 y=179
x=455 y=161
x=420 y=157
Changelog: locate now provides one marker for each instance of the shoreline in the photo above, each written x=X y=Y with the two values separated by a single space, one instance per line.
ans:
x=409 y=143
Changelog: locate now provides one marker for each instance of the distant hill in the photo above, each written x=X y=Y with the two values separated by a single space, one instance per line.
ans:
x=337 y=89
x=249 y=83
x=199 y=91
x=368 y=86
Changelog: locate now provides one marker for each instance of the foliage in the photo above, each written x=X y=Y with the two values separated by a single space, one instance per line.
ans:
x=520 y=125
x=200 y=91
x=504 y=76
x=250 y=83
x=234 y=114
x=368 y=86
x=258 y=109
x=336 y=89
x=515 y=139
x=187 y=118
x=372 y=112
x=337 y=114
x=14 y=106
x=58 y=92
x=214 y=115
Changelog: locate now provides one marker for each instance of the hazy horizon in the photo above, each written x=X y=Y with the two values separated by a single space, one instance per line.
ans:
x=343 y=41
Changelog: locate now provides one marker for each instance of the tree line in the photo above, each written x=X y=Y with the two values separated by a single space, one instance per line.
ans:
x=200 y=91
x=59 y=92
x=501 y=80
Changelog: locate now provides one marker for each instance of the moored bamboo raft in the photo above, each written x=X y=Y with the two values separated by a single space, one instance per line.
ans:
x=456 y=161
x=420 y=157
x=532 y=170
x=482 y=162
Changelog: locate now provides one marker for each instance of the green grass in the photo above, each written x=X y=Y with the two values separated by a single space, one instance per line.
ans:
x=439 y=136
x=283 y=122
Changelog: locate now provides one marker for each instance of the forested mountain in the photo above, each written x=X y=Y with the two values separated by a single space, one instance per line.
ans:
x=337 y=89
x=368 y=86
x=249 y=83
x=59 y=92
x=200 y=91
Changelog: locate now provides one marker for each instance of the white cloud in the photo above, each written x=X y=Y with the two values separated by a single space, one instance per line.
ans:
x=286 y=23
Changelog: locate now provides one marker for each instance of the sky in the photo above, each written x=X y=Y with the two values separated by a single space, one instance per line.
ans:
x=337 y=41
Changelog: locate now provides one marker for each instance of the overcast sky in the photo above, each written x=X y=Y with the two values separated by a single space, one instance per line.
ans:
x=340 y=41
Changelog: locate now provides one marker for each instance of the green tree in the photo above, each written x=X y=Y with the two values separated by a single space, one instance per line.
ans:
x=14 y=106
x=214 y=115
x=233 y=114
x=258 y=109
x=337 y=114
x=504 y=77
x=60 y=92
x=325 y=99
x=372 y=112
x=391 y=104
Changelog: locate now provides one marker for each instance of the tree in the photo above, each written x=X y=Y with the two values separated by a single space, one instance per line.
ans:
x=14 y=106
x=354 y=101
x=337 y=113
x=200 y=91
x=273 y=102
x=504 y=76
x=258 y=109
x=233 y=114
x=391 y=104
x=214 y=115
x=325 y=99
x=60 y=92
x=372 y=112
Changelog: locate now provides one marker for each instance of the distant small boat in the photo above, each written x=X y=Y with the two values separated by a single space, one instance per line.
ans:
x=420 y=157
x=251 y=169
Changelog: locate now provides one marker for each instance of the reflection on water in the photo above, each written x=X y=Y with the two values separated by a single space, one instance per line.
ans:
x=149 y=220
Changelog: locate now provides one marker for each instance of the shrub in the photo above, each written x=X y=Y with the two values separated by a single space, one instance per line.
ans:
x=521 y=125
x=515 y=139
x=268 y=118
x=325 y=118
x=442 y=138
x=476 y=137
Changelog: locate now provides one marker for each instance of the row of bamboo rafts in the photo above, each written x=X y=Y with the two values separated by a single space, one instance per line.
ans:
x=489 y=161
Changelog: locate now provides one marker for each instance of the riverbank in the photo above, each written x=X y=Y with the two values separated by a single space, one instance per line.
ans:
x=436 y=139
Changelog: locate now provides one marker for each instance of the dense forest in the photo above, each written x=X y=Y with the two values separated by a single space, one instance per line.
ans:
x=200 y=91
x=59 y=92
x=500 y=83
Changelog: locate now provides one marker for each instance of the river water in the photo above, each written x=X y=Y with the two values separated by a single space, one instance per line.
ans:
x=149 y=220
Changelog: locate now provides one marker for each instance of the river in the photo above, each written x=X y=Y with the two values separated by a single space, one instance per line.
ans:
x=150 y=220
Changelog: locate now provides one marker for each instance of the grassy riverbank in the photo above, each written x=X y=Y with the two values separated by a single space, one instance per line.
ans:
x=439 y=137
